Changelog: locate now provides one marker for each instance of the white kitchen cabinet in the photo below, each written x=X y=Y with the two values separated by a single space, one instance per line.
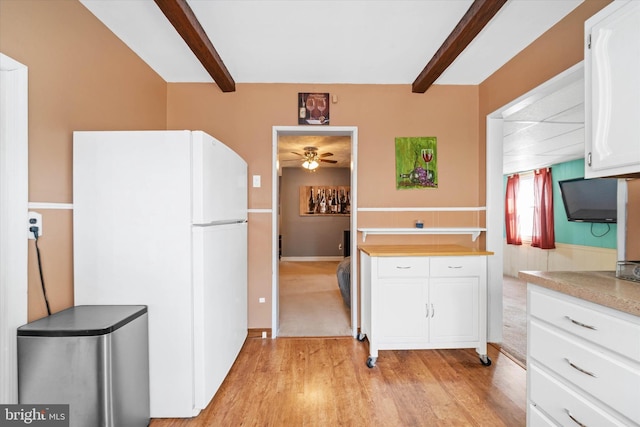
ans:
x=423 y=302
x=612 y=90
x=405 y=308
x=583 y=362
x=454 y=310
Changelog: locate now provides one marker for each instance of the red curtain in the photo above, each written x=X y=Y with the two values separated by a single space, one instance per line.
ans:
x=511 y=221
x=543 y=236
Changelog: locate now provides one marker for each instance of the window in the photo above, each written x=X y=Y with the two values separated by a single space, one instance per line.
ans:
x=525 y=206
x=529 y=209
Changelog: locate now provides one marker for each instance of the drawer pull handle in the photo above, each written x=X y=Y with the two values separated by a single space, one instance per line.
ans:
x=400 y=267
x=433 y=311
x=454 y=266
x=574 y=419
x=578 y=368
x=584 y=325
x=426 y=306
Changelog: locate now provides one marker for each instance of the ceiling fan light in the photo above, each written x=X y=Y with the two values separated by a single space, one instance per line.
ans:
x=310 y=164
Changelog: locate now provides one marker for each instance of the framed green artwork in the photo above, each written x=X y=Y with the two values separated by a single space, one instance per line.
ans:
x=416 y=162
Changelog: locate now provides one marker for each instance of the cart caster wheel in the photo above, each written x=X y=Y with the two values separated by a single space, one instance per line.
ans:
x=371 y=362
x=361 y=337
x=484 y=359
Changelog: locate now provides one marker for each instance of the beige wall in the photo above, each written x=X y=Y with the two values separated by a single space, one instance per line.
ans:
x=244 y=120
x=82 y=77
x=563 y=258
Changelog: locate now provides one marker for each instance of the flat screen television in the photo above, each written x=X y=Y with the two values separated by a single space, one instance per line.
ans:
x=590 y=200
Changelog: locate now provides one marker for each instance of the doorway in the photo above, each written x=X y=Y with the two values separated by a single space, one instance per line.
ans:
x=542 y=100
x=327 y=131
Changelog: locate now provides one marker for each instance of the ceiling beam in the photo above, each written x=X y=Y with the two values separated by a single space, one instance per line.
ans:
x=476 y=18
x=187 y=25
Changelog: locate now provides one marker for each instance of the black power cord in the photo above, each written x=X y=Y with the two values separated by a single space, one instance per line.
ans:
x=34 y=230
x=600 y=235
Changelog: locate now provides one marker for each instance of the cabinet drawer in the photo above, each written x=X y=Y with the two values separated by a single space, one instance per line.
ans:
x=587 y=321
x=403 y=267
x=562 y=403
x=603 y=377
x=535 y=418
x=456 y=266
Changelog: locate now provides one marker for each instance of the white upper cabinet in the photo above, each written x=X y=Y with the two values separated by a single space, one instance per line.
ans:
x=612 y=90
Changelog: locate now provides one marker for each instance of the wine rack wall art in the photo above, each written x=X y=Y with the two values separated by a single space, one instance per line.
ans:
x=325 y=200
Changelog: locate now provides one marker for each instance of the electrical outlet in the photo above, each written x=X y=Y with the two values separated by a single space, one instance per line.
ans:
x=256 y=181
x=262 y=300
x=35 y=220
x=264 y=334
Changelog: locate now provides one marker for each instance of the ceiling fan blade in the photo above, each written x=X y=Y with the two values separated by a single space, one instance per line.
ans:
x=328 y=161
x=297 y=154
x=326 y=154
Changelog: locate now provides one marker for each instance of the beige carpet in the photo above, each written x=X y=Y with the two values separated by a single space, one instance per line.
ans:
x=310 y=301
x=514 y=318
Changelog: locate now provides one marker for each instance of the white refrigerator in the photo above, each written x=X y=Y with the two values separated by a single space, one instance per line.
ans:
x=160 y=219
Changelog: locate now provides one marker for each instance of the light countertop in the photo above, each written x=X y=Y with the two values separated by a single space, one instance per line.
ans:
x=420 y=250
x=600 y=287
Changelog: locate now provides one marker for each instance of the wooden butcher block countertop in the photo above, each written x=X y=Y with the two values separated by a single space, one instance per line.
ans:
x=600 y=287
x=420 y=250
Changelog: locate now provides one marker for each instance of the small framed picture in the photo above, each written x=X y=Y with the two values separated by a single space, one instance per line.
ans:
x=313 y=108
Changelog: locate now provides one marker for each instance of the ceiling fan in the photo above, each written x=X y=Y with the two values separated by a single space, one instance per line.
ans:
x=311 y=158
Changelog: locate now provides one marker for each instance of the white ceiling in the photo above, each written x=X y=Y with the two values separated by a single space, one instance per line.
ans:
x=546 y=126
x=328 y=41
x=336 y=41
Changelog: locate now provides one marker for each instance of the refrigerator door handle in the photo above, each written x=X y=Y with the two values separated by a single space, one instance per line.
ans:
x=226 y=222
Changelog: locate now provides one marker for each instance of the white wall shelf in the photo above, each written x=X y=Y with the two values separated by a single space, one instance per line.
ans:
x=473 y=231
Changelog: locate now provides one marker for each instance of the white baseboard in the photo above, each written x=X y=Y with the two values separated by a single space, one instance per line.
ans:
x=311 y=258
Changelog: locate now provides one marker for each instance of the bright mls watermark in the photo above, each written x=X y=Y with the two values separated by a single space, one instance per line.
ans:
x=34 y=415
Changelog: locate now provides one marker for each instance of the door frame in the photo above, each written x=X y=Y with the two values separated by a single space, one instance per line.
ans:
x=351 y=131
x=14 y=199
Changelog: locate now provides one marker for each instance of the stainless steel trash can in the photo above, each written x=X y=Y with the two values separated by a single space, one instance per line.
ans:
x=94 y=358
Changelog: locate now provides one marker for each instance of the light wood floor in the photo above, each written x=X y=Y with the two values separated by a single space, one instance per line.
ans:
x=325 y=382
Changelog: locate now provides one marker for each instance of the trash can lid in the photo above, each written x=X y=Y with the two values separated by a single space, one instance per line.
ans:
x=83 y=320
